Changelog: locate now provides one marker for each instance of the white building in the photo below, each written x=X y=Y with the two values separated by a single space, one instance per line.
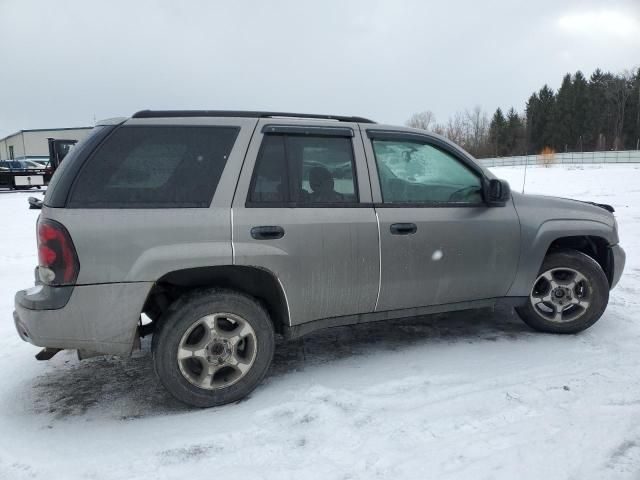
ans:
x=34 y=144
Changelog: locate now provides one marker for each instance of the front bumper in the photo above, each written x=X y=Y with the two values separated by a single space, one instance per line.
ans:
x=619 y=258
x=99 y=318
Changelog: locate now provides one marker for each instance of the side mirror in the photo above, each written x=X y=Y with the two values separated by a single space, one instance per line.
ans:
x=497 y=193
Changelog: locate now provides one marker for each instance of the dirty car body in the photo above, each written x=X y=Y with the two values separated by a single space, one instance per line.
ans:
x=321 y=220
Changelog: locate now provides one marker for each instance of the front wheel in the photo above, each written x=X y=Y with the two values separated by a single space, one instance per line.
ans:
x=213 y=347
x=569 y=295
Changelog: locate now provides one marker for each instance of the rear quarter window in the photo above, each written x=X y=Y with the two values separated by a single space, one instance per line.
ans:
x=155 y=167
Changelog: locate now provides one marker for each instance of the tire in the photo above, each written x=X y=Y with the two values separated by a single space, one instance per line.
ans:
x=225 y=341
x=569 y=294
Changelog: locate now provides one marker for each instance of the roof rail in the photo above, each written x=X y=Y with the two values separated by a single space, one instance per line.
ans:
x=243 y=114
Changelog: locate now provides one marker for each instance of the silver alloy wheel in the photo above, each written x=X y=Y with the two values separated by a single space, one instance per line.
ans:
x=561 y=295
x=217 y=350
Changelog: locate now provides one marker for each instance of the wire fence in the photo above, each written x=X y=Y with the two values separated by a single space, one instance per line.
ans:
x=579 y=158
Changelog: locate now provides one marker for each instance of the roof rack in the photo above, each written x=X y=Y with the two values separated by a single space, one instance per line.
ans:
x=243 y=114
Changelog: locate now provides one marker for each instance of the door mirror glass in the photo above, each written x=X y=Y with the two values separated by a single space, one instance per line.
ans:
x=498 y=192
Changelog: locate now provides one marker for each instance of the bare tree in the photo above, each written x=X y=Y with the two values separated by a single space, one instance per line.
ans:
x=457 y=129
x=424 y=120
x=478 y=130
x=439 y=128
x=470 y=128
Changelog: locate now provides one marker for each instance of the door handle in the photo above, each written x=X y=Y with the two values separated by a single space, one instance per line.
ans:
x=269 y=232
x=403 y=228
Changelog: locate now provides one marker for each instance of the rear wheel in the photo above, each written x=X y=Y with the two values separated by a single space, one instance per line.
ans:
x=213 y=347
x=569 y=295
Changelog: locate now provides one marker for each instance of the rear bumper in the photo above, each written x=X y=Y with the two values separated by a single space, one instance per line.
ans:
x=619 y=258
x=98 y=318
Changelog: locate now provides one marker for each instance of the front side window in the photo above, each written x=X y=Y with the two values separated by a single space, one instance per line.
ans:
x=304 y=170
x=155 y=167
x=415 y=172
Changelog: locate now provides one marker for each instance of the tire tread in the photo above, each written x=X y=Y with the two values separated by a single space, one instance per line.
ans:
x=599 y=283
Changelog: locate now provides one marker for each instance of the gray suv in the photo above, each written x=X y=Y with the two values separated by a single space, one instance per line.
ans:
x=215 y=230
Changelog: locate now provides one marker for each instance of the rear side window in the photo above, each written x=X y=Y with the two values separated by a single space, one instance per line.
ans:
x=270 y=175
x=304 y=171
x=155 y=167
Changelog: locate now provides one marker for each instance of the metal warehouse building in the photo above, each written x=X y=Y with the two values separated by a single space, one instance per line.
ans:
x=33 y=143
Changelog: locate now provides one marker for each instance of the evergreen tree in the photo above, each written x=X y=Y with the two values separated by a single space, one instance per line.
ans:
x=547 y=105
x=515 y=134
x=540 y=115
x=498 y=133
x=599 y=116
x=531 y=112
x=563 y=116
x=580 y=110
x=632 y=122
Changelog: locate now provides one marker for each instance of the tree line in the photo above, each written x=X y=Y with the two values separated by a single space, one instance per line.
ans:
x=598 y=113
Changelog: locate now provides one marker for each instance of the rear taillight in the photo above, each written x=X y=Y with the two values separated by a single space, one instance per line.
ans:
x=57 y=257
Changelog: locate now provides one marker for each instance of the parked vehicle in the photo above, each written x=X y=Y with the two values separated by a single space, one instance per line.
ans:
x=41 y=162
x=20 y=165
x=21 y=174
x=226 y=228
x=58 y=149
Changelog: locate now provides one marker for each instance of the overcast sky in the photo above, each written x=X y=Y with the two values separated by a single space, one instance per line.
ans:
x=64 y=62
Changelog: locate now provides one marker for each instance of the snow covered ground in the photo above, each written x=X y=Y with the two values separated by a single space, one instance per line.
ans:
x=468 y=395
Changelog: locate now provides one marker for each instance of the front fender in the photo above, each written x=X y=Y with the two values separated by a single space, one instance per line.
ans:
x=536 y=243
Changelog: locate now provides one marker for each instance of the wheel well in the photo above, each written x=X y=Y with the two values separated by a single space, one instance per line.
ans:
x=596 y=247
x=259 y=283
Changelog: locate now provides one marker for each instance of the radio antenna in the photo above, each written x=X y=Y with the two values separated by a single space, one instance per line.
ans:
x=524 y=180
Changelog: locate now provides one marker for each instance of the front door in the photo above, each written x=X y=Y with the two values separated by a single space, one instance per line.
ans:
x=303 y=211
x=440 y=243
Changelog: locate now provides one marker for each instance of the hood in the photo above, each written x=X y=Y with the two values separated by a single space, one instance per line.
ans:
x=545 y=208
x=606 y=206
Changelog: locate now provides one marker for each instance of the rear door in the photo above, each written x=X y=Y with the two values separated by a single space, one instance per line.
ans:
x=440 y=242
x=303 y=211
